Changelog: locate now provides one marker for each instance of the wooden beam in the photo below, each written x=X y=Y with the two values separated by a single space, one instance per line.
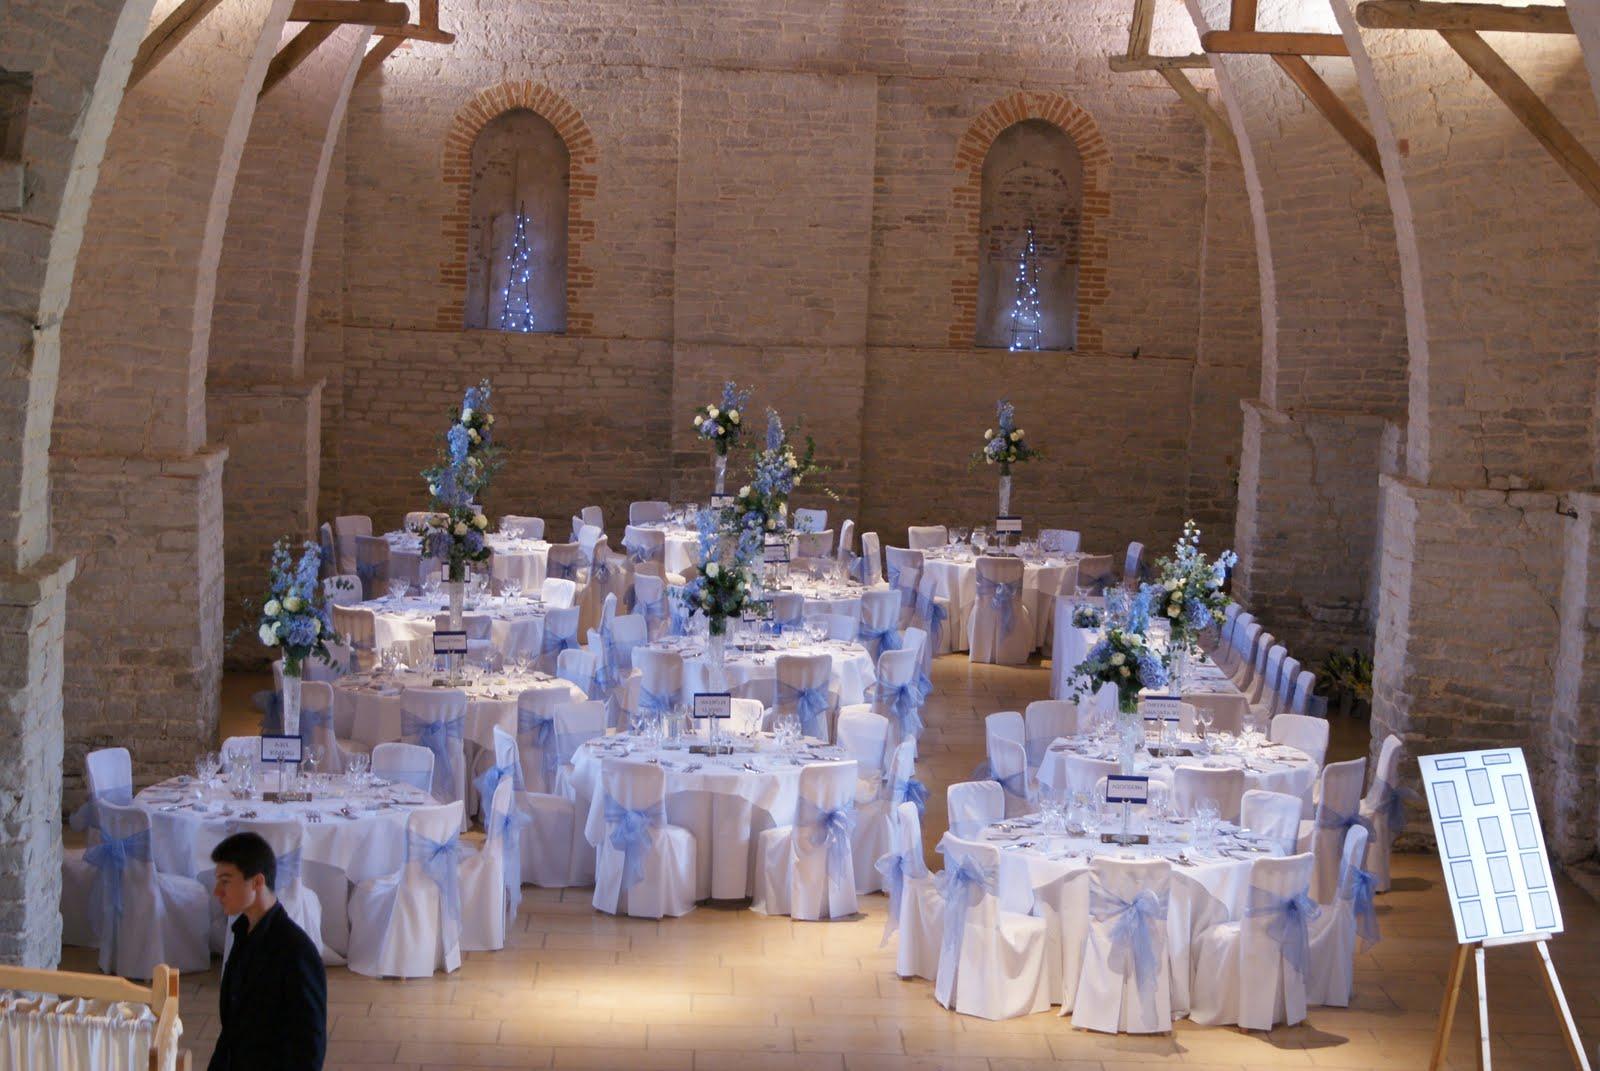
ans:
x=1229 y=42
x=415 y=33
x=1531 y=111
x=1333 y=108
x=167 y=36
x=1430 y=15
x=1144 y=19
x=358 y=12
x=296 y=52
x=428 y=14
x=1221 y=132
x=1242 y=16
x=382 y=48
x=1128 y=64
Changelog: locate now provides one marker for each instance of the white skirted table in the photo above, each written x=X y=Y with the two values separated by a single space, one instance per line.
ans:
x=953 y=575
x=853 y=669
x=1274 y=767
x=512 y=558
x=682 y=545
x=515 y=625
x=370 y=703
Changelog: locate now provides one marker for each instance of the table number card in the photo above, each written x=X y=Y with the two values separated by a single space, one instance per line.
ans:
x=448 y=642
x=775 y=553
x=718 y=705
x=1495 y=865
x=1126 y=788
x=721 y=501
x=1008 y=525
x=1161 y=707
x=280 y=748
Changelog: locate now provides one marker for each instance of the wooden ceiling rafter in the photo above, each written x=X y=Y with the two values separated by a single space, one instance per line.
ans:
x=161 y=41
x=1171 y=69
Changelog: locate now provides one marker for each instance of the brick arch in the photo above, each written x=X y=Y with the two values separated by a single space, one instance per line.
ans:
x=485 y=105
x=1092 y=250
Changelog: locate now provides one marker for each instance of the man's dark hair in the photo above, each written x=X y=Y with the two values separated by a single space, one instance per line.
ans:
x=250 y=854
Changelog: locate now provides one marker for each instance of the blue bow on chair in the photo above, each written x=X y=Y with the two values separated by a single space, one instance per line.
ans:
x=652 y=610
x=439 y=860
x=831 y=829
x=1359 y=888
x=1328 y=818
x=909 y=788
x=903 y=700
x=885 y=639
x=1133 y=949
x=1392 y=802
x=933 y=617
x=435 y=735
x=1003 y=597
x=288 y=869
x=367 y=573
x=87 y=816
x=553 y=643
x=562 y=570
x=892 y=866
x=660 y=704
x=542 y=729
x=1015 y=784
x=1290 y=918
x=508 y=827
x=629 y=832
x=270 y=703
x=678 y=622
x=600 y=572
x=638 y=550
x=811 y=704
x=490 y=779
x=311 y=721
x=110 y=857
x=962 y=883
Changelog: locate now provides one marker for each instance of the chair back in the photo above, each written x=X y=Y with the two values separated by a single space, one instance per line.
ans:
x=560 y=635
x=905 y=832
x=557 y=594
x=1341 y=787
x=847 y=541
x=576 y=666
x=638 y=786
x=436 y=719
x=998 y=612
x=748 y=716
x=1096 y=572
x=355 y=625
x=660 y=686
x=345 y=530
x=1245 y=636
x=1385 y=775
x=1004 y=725
x=1267 y=679
x=648 y=512
x=536 y=734
x=1085 y=773
x=896 y=695
x=593 y=517
x=879 y=629
x=372 y=565
x=1059 y=540
x=110 y=774
x=522 y=527
x=1304 y=732
x=316 y=724
x=645 y=544
x=1273 y=815
x=1044 y=721
x=1338 y=809
x=342 y=590
x=1283 y=691
x=243 y=745
x=903 y=569
x=926 y=536
x=1265 y=642
x=327 y=550
x=1274 y=940
x=404 y=763
x=566 y=561
x=871 y=559
x=788 y=609
x=805 y=689
x=824 y=820
x=865 y=738
x=1227 y=709
x=1234 y=639
x=1192 y=785
x=577 y=723
x=973 y=806
x=812 y=520
x=650 y=603
x=814 y=544
x=1300 y=698
x=1131 y=562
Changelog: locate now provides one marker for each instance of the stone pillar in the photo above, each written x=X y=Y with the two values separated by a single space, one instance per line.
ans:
x=1332 y=352
x=129 y=458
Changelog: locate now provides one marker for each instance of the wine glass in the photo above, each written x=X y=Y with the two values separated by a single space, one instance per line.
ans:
x=980 y=539
x=1204 y=716
x=398 y=586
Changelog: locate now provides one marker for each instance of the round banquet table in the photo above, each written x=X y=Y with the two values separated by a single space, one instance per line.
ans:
x=515 y=625
x=746 y=667
x=841 y=597
x=953 y=575
x=348 y=835
x=725 y=801
x=1046 y=874
x=370 y=703
x=513 y=558
x=1275 y=767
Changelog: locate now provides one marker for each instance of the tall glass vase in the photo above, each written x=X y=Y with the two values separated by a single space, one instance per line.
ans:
x=458 y=602
x=719 y=470
x=1005 y=495
x=1130 y=734
x=1180 y=662
x=291 y=702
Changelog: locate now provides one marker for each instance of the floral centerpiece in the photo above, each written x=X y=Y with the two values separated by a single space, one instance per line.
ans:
x=725 y=585
x=1189 y=594
x=1005 y=445
x=720 y=423
x=469 y=459
x=294 y=619
x=1124 y=659
x=762 y=505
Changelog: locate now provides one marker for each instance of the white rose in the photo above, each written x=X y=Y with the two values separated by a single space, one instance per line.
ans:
x=772 y=525
x=489 y=419
x=697 y=419
x=1172 y=585
x=989 y=434
x=989 y=460
x=480 y=522
x=472 y=433
x=1020 y=433
x=711 y=412
x=1125 y=672
x=783 y=509
x=793 y=464
x=433 y=489
x=1118 y=659
x=272 y=608
x=733 y=416
x=1174 y=610
x=719 y=429
x=268 y=636
x=712 y=569
x=744 y=492
x=461 y=528
x=466 y=415
x=1016 y=436
x=294 y=604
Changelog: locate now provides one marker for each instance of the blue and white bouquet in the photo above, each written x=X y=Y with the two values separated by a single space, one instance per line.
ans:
x=762 y=505
x=1189 y=593
x=454 y=532
x=1006 y=444
x=1122 y=658
x=725 y=586
x=470 y=444
x=720 y=423
x=293 y=618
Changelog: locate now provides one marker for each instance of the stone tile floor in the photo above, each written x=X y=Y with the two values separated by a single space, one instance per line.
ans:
x=724 y=988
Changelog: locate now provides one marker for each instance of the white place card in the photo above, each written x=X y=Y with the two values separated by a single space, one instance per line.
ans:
x=1496 y=868
x=280 y=748
x=721 y=501
x=448 y=642
x=1162 y=707
x=1124 y=788
x=1008 y=525
x=716 y=705
x=775 y=553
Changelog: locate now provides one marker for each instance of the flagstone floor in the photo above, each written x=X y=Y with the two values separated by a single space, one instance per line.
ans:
x=724 y=988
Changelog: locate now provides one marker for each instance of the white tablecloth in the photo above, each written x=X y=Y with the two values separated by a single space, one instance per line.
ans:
x=853 y=669
x=724 y=804
x=370 y=704
x=513 y=558
x=1071 y=644
x=956 y=579
x=826 y=596
x=1276 y=767
x=515 y=624
x=683 y=546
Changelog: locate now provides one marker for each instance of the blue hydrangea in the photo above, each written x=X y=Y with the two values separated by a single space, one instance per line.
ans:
x=1152 y=674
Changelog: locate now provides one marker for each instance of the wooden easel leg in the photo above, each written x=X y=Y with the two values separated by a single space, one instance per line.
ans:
x=1484 y=1061
x=1447 y=1010
x=1569 y=1028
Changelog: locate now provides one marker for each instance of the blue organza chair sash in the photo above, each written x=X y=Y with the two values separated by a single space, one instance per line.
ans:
x=288 y=869
x=629 y=833
x=440 y=861
x=678 y=620
x=904 y=701
x=909 y=789
x=887 y=638
x=1359 y=887
x=655 y=703
x=1133 y=946
x=963 y=883
x=640 y=551
x=1015 y=784
x=490 y=779
x=830 y=829
x=87 y=816
x=367 y=573
x=554 y=642
x=311 y=721
x=892 y=866
x=651 y=609
x=541 y=729
x=1289 y=919
x=508 y=827
x=810 y=704
x=434 y=734
x=562 y=570
x=1329 y=818
x=1392 y=800
x=110 y=857
x=600 y=572
x=270 y=703
x=1003 y=597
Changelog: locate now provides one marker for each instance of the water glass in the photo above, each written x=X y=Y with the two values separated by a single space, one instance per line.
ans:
x=398 y=586
x=1205 y=823
x=357 y=767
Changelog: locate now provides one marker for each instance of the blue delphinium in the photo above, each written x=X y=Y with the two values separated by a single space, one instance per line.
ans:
x=1189 y=590
x=293 y=617
x=721 y=424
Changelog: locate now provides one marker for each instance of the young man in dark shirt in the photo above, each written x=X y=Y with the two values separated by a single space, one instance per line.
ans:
x=274 y=991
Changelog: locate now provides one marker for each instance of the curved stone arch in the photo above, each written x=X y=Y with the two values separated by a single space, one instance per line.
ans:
x=971 y=152
x=457 y=164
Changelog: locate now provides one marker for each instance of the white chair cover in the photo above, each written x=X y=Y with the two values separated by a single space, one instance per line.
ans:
x=299 y=902
x=1084 y=774
x=408 y=924
x=1008 y=764
x=643 y=867
x=1131 y=562
x=244 y=745
x=1300 y=698
x=1274 y=815
x=879 y=630
x=1283 y=694
x=1125 y=985
x=345 y=530
x=999 y=626
x=554 y=852
x=522 y=527
x=316 y=726
x=1304 y=732
x=872 y=559
x=593 y=517
x=846 y=549
x=915 y=909
x=1059 y=540
x=341 y=590
x=1352 y=917
x=436 y=719
x=648 y=512
x=406 y=764
x=1096 y=572
x=866 y=738
x=577 y=666
x=806 y=870
x=1229 y=651
x=537 y=746
x=356 y=626
x=372 y=565
x=811 y=520
x=749 y=716
x=558 y=594
x=1248 y=642
x=658 y=689
x=141 y=917
x=1338 y=809
x=991 y=961
x=650 y=603
x=926 y=537
x=1260 y=694
x=1255 y=969
x=1223 y=787
x=805 y=688
x=1045 y=720
x=903 y=571
x=813 y=546
x=491 y=880
x=560 y=634
x=972 y=806
x=1384 y=809
x=1227 y=710
x=327 y=551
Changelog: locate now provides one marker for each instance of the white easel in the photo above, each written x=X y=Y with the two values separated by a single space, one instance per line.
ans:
x=1458 y=972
